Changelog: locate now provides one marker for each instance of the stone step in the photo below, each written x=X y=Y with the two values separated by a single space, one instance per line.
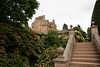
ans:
x=85 y=60
x=85 y=52
x=84 y=64
x=84 y=46
x=85 y=49
x=85 y=43
x=86 y=56
x=74 y=66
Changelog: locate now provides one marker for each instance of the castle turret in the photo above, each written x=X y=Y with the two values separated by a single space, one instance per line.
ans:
x=53 y=22
x=53 y=25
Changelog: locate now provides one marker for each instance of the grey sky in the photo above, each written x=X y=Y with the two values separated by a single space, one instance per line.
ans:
x=66 y=11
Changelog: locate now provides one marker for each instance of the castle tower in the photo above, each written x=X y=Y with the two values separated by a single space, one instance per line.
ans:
x=42 y=25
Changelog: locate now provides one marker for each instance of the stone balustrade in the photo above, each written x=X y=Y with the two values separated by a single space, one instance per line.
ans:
x=64 y=55
x=96 y=39
x=95 y=35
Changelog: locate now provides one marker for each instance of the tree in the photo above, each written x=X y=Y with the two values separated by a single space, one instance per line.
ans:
x=79 y=26
x=17 y=11
x=19 y=46
x=51 y=39
x=65 y=27
x=89 y=34
x=51 y=43
x=96 y=14
x=80 y=30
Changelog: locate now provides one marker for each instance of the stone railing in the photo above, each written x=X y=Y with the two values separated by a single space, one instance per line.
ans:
x=95 y=36
x=64 y=55
x=96 y=40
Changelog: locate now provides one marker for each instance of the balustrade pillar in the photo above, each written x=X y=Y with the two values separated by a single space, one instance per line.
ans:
x=94 y=30
x=59 y=61
x=71 y=32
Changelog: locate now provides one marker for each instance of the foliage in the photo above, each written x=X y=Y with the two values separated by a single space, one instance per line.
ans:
x=19 y=46
x=63 y=41
x=81 y=31
x=79 y=37
x=17 y=11
x=51 y=39
x=96 y=14
x=51 y=43
x=45 y=59
x=79 y=26
x=65 y=27
x=89 y=34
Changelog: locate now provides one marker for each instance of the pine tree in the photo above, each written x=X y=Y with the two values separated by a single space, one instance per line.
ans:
x=65 y=27
x=96 y=14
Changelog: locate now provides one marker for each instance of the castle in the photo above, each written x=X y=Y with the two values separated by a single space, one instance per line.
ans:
x=42 y=25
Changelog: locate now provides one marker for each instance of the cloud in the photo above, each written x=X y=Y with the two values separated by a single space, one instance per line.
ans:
x=66 y=11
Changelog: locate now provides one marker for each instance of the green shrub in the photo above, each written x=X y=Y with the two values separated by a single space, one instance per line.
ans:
x=96 y=14
x=19 y=46
x=79 y=37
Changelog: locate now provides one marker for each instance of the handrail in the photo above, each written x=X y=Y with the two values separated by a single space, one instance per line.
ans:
x=64 y=55
x=67 y=52
x=96 y=40
x=68 y=49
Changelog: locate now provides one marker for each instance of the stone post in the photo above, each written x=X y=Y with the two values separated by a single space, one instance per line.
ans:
x=94 y=30
x=71 y=32
x=59 y=61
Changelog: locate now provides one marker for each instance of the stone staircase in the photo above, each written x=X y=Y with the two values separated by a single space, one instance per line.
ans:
x=80 y=54
x=85 y=55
